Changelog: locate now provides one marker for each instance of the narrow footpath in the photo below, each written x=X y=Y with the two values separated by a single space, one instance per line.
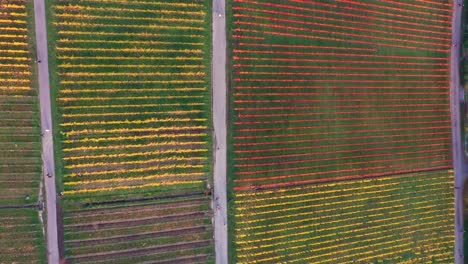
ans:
x=46 y=130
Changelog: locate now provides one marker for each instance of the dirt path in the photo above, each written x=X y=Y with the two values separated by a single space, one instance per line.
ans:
x=220 y=134
x=459 y=162
x=46 y=130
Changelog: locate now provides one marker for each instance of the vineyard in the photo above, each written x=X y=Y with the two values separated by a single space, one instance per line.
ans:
x=20 y=162
x=134 y=144
x=359 y=221
x=330 y=93
x=20 y=158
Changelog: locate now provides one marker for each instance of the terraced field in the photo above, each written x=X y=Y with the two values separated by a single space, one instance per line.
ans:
x=336 y=92
x=21 y=239
x=133 y=103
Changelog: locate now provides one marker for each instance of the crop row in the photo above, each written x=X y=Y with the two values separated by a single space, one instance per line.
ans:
x=365 y=220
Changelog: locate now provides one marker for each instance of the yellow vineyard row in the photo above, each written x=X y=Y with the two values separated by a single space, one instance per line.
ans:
x=130 y=130
x=134 y=162
x=126 y=138
x=16 y=58
x=16 y=73
x=133 y=34
x=176 y=58
x=14 y=80
x=92 y=66
x=6 y=6
x=15 y=51
x=136 y=50
x=14 y=36
x=12 y=21
x=176 y=112
x=145 y=27
x=138 y=90
x=126 y=17
x=133 y=82
x=16 y=88
x=137 y=170
x=119 y=188
x=18 y=65
x=128 y=146
x=133 y=74
x=146 y=42
x=145 y=121
x=12 y=14
x=75 y=7
x=124 y=106
x=81 y=99
x=138 y=153
x=13 y=29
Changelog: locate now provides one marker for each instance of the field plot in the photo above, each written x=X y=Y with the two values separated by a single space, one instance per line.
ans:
x=331 y=95
x=21 y=239
x=134 y=120
x=380 y=220
x=326 y=91
x=20 y=157
x=172 y=231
